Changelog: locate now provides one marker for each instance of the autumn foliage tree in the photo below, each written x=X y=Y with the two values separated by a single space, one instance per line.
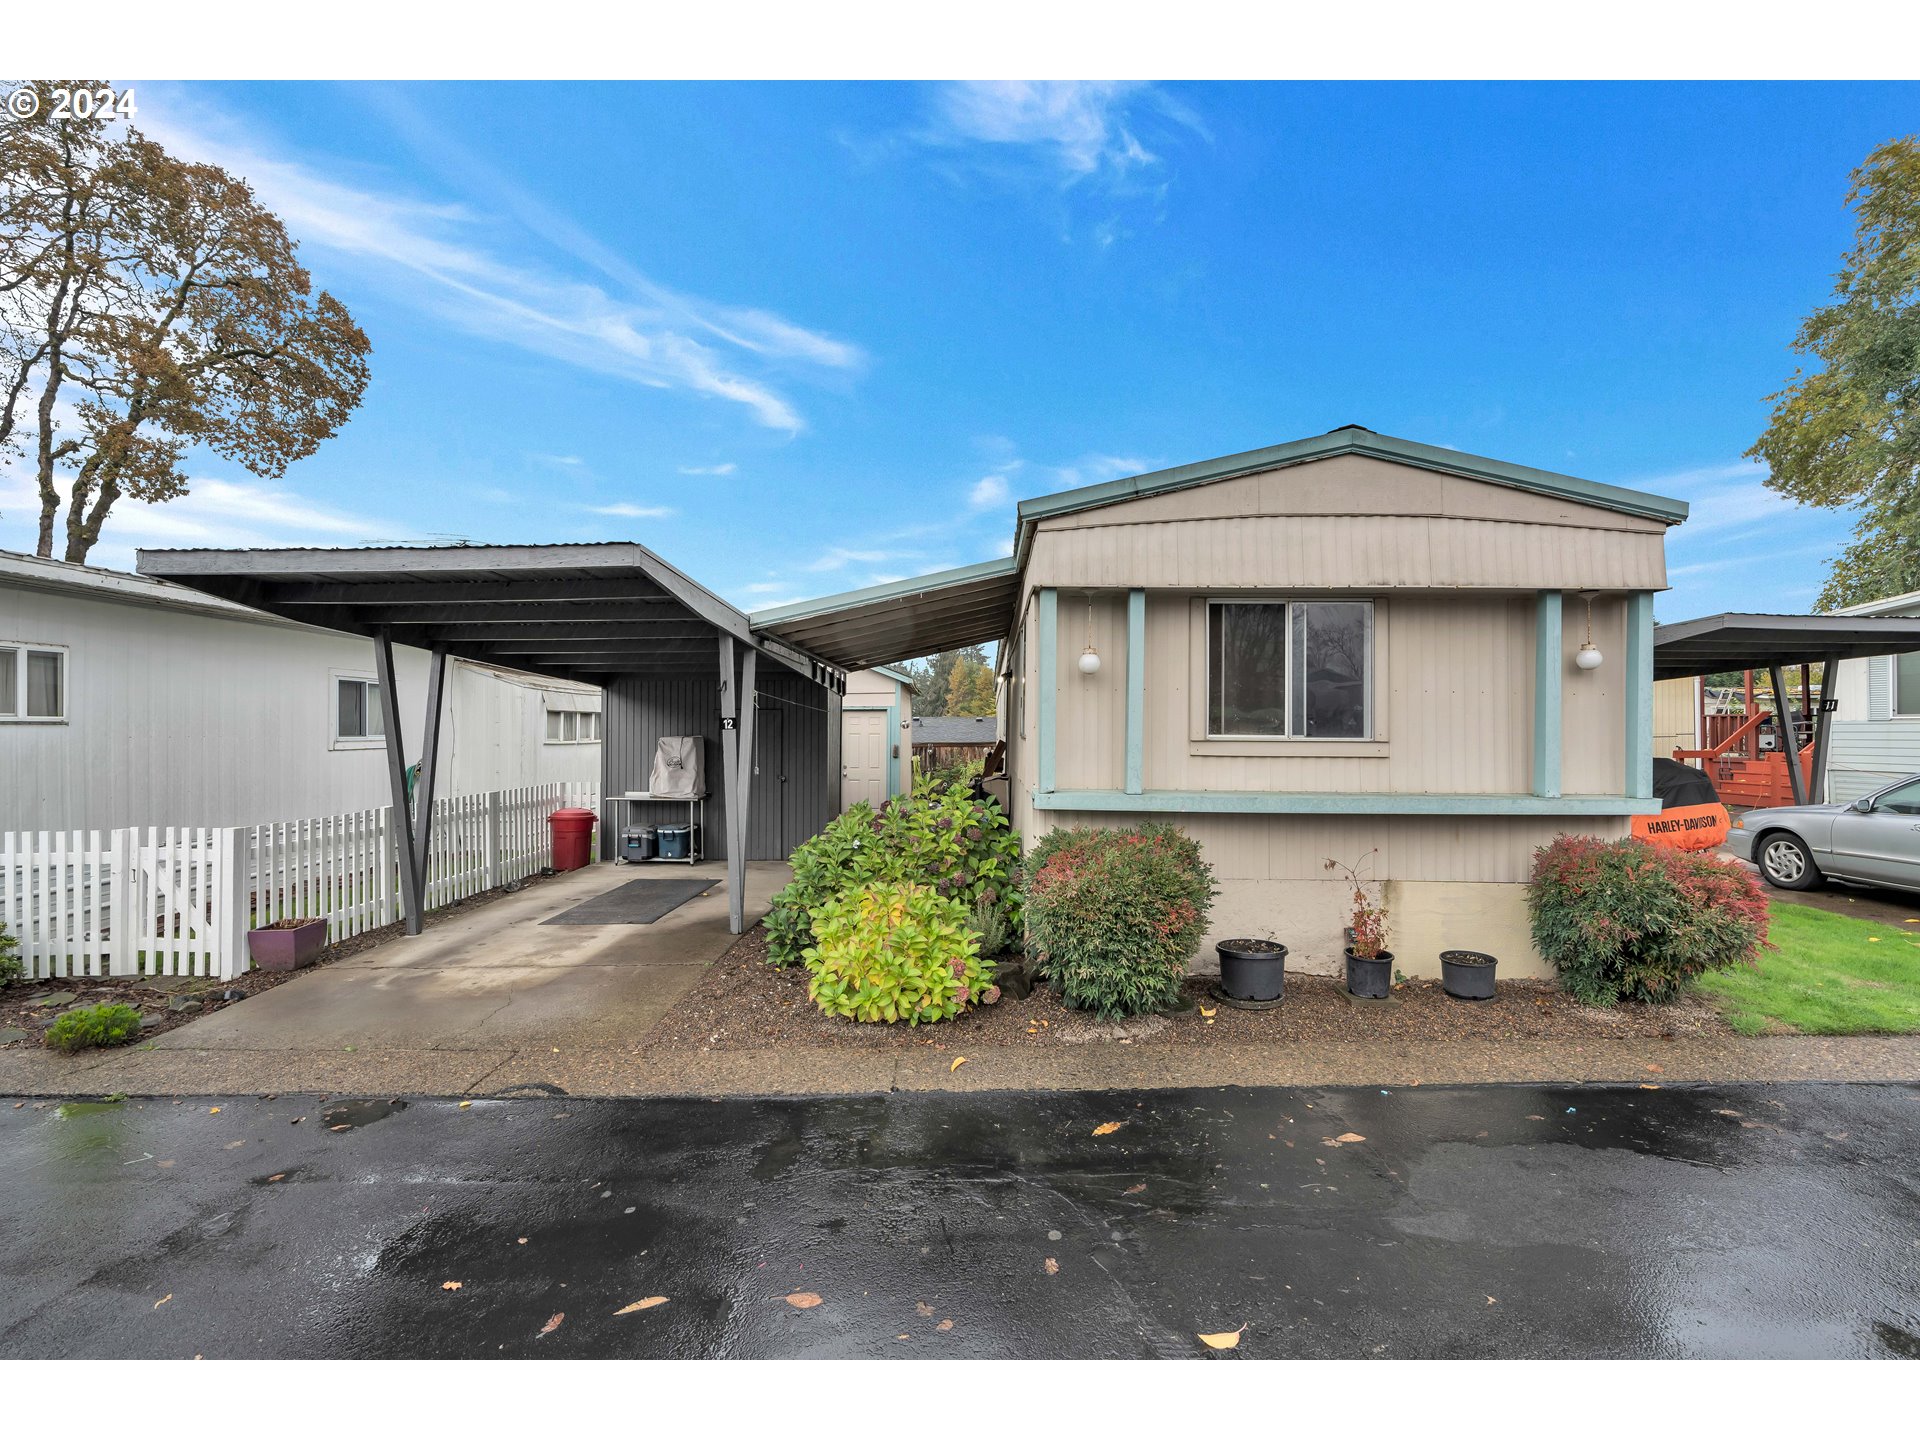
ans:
x=149 y=305
x=1848 y=434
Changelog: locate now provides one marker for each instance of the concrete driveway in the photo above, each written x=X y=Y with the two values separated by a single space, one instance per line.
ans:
x=491 y=995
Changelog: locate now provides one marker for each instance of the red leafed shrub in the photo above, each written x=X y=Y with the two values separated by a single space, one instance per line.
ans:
x=1625 y=920
x=1113 y=916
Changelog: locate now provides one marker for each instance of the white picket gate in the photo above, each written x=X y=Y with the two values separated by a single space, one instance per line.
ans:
x=179 y=901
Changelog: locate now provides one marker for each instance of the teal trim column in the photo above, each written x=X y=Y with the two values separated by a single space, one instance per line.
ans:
x=1048 y=679
x=1549 y=670
x=1136 y=691
x=1639 y=690
x=893 y=752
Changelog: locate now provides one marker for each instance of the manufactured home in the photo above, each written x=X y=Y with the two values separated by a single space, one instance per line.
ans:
x=1353 y=648
x=128 y=701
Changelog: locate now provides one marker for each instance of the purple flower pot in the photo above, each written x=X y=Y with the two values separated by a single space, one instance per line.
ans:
x=287 y=946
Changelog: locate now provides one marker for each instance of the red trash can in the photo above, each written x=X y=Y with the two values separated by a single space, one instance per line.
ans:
x=572 y=838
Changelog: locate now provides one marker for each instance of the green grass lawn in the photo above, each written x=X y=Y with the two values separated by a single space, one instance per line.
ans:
x=1832 y=975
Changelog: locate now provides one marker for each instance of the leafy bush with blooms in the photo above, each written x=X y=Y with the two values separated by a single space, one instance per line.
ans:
x=11 y=966
x=1113 y=916
x=947 y=839
x=893 y=951
x=1368 y=918
x=1625 y=920
x=94 y=1025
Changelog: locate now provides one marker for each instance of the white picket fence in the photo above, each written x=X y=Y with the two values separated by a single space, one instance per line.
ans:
x=178 y=901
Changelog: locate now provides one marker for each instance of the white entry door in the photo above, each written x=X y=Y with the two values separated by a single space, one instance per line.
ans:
x=863 y=757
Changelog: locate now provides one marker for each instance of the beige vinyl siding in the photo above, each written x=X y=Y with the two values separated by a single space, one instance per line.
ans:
x=1676 y=716
x=1453 y=704
x=1345 y=523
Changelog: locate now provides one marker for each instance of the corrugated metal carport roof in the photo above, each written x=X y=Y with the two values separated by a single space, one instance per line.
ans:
x=1760 y=642
x=972 y=605
x=576 y=612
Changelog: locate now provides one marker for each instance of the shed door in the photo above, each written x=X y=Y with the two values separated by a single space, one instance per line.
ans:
x=863 y=757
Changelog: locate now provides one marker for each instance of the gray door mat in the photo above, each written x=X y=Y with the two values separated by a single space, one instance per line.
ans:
x=638 y=902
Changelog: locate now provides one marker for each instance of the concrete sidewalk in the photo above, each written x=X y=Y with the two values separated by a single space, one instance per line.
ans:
x=487 y=992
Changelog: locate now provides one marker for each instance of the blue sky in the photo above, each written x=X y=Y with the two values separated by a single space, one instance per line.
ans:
x=801 y=338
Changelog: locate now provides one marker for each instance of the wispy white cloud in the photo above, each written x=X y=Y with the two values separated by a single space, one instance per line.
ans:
x=566 y=461
x=218 y=514
x=839 y=558
x=988 y=490
x=727 y=469
x=1076 y=128
x=626 y=511
x=457 y=264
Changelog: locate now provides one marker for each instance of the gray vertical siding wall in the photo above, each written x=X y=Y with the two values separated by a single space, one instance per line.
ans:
x=793 y=743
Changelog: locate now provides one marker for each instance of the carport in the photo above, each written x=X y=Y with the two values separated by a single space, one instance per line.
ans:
x=1772 y=643
x=668 y=651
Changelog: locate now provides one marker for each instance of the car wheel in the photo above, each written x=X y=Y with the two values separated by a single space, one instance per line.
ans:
x=1786 y=862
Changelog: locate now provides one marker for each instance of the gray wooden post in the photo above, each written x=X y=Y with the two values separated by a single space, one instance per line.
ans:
x=1782 y=709
x=429 y=756
x=1817 y=786
x=742 y=816
x=397 y=781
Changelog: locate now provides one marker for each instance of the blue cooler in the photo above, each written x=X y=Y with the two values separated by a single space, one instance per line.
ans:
x=675 y=841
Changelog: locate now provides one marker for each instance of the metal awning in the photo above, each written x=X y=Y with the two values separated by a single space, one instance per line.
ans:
x=1772 y=643
x=903 y=619
x=1761 y=642
x=574 y=612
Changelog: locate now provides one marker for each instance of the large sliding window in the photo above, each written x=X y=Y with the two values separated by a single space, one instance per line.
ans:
x=1290 y=669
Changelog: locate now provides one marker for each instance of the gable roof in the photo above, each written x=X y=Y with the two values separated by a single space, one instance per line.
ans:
x=1347 y=440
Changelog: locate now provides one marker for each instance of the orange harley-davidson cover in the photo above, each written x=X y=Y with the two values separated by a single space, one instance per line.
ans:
x=1684 y=827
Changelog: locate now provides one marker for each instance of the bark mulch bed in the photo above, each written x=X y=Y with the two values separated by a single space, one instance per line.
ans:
x=31 y=1006
x=742 y=1003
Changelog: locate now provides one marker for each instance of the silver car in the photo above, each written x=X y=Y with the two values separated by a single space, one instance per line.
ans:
x=1874 y=841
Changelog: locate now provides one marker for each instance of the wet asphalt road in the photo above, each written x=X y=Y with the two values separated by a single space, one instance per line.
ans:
x=1522 y=1221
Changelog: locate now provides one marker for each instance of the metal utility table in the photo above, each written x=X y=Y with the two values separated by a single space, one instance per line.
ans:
x=696 y=823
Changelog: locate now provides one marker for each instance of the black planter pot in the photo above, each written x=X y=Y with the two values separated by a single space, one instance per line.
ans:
x=1370 y=979
x=1467 y=974
x=1252 y=969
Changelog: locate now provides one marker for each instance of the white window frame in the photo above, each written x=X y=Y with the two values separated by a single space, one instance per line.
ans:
x=1893 y=691
x=21 y=649
x=335 y=679
x=547 y=712
x=1287 y=737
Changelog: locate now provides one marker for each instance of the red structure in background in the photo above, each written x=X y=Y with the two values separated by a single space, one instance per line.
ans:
x=1745 y=774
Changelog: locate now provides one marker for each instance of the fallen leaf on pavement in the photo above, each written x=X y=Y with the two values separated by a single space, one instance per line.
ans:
x=339 y=1127
x=273 y=1178
x=1645 y=1086
x=1134 y=1189
x=466 y=1104
x=646 y=1304
x=521 y=1241
x=296 y=1120
x=923 y=1308
x=163 y=1300
x=1492 y=1301
x=958 y=1061
x=214 y=1111
x=1108 y=1128
x=450 y=1284
x=1223 y=1340
x=552 y=1324
x=803 y=1300
x=944 y=1325
x=233 y=1145
x=1336 y=1141
x=1053 y=1266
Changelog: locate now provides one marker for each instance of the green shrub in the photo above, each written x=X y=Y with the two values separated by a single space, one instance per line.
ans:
x=94 y=1025
x=959 y=846
x=12 y=967
x=1113 y=916
x=990 y=924
x=1625 y=920
x=892 y=951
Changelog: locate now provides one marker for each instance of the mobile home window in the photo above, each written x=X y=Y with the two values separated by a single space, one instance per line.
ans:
x=359 y=710
x=571 y=727
x=1906 y=684
x=1290 y=669
x=33 y=683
